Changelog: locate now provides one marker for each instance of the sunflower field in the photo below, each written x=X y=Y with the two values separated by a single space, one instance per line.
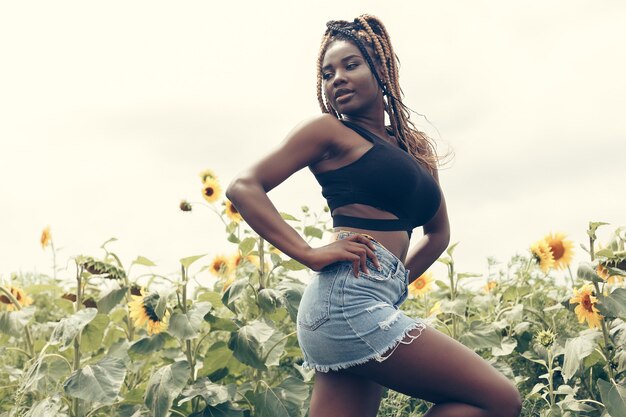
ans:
x=109 y=339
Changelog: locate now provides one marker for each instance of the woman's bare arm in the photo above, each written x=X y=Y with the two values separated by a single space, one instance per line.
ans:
x=307 y=143
x=432 y=244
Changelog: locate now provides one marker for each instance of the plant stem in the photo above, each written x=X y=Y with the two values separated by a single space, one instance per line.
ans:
x=262 y=261
x=608 y=353
x=79 y=302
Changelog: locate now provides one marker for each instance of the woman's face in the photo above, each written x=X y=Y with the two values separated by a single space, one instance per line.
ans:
x=348 y=82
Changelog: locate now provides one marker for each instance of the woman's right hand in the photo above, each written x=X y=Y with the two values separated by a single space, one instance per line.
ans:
x=354 y=248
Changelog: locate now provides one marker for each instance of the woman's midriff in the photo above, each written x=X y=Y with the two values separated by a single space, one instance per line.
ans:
x=396 y=242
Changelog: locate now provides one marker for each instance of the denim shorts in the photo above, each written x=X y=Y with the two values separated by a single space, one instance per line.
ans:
x=345 y=321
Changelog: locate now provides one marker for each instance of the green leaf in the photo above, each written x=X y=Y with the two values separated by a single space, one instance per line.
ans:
x=221 y=323
x=269 y=299
x=212 y=394
x=313 y=231
x=100 y=382
x=291 y=293
x=48 y=407
x=234 y=292
x=68 y=328
x=13 y=322
x=481 y=335
x=287 y=216
x=451 y=248
x=613 y=397
x=93 y=332
x=456 y=307
x=232 y=238
x=507 y=347
x=186 y=326
x=587 y=273
x=186 y=262
x=251 y=344
x=216 y=357
x=293 y=265
x=143 y=261
x=593 y=226
x=164 y=386
x=284 y=400
x=106 y=303
x=221 y=410
x=149 y=344
x=614 y=304
x=577 y=349
x=247 y=245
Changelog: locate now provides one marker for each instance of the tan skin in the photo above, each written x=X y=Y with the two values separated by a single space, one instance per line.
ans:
x=436 y=368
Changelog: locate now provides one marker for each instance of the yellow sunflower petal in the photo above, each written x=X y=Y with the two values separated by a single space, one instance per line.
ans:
x=542 y=254
x=20 y=296
x=421 y=285
x=220 y=266
x=46 y=237
x=562 y=249
x=211 y=190
x=232 y=212
x=206 y=174
x=586 y=309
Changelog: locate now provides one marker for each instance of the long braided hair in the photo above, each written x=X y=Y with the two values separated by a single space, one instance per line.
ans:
x=367 y=30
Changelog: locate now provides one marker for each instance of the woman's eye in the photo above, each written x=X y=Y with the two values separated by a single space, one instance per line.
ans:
x=352 y=66
x=326 y=75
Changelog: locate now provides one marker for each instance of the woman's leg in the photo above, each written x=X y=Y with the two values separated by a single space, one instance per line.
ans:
x=438 y=369
x=341 y=394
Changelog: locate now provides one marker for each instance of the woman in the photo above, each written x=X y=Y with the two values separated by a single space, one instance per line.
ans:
x=380 y=183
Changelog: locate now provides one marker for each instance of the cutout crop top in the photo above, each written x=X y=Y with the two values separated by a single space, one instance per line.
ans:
x=385 y=177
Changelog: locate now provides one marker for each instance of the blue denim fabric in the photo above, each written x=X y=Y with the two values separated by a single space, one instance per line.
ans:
x=344 y=320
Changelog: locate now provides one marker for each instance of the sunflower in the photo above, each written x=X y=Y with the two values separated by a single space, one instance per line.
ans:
x=489 y=286
x=586 y=309
x=603 y=273
x=206 y=174
x=142 y=311
x=22 y=299
x=421 y=285
x=46 y=237
x=562 y=249
x=542 y=254
x=232 y=212
x=211 y=190
x=221 y=266
x=237 y=260
x=545 y=337
x=436 y=309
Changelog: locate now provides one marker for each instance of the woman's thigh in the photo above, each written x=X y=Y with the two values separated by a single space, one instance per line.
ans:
x=342 y=394
x=439 y=369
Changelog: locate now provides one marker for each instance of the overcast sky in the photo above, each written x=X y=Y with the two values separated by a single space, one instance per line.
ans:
x=108 y=111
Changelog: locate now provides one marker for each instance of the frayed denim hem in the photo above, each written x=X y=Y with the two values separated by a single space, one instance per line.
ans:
x=380 y=357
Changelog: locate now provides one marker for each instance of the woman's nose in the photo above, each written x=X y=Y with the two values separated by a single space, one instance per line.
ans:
x=339 y=78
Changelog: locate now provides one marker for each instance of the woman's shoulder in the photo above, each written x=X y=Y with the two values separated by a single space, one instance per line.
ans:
x=324 y=123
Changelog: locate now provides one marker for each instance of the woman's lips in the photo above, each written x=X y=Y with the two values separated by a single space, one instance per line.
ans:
x=344 y=97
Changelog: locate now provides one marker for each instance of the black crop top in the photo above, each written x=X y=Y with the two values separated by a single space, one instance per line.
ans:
x=385 y=177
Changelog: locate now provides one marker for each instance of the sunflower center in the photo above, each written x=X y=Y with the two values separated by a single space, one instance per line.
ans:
x=586 y=303
x=557 y=250
x=419 y=284
x=233 y=209
x=209 y=191
x=4 y=299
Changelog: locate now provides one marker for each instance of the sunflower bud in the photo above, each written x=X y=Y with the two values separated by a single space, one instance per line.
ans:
x=545 y=337
x=185 y=205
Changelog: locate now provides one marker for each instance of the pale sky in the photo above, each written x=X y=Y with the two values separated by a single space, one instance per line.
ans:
x=108 y=111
